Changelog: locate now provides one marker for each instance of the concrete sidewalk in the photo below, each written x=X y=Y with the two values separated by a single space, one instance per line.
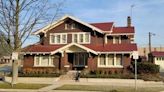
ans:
x=83 y=81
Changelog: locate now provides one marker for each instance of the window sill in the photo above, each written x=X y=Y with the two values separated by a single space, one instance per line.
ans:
x=110 y=66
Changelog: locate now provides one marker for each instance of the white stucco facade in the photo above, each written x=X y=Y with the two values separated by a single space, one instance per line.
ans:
x=159 y=61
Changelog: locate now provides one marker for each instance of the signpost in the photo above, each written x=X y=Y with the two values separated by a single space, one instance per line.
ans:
x=135 y=57
x=14 y=58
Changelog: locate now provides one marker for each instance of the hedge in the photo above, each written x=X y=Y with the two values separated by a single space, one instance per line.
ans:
x=146 y=67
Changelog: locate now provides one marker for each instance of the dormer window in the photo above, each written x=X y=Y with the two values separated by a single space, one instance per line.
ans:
x=69 y=26
x=73 y=26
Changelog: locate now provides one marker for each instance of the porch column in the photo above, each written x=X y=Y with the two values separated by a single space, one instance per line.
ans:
x=64 y=61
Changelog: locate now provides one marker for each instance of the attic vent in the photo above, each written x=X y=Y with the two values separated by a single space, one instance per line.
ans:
x=69 y=26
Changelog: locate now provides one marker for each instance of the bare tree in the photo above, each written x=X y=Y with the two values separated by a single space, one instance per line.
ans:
x=19 y=18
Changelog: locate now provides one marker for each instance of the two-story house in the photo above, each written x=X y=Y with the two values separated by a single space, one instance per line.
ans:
x=70 y=43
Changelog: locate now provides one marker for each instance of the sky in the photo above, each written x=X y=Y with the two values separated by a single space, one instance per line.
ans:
x=147 y=16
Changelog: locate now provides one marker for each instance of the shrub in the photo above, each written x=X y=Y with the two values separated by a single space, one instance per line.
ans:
x=146 y=67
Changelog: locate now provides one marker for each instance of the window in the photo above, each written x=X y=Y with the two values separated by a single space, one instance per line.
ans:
x=70 y=26
x=73 y=26
x=67 y=26
x=118 y=59
x=116 y=40
x=64 y=39
x=110 y=60
x=102 y=60
x=86 y=37
x=75 y=38
x=58 y=38
x=37 y=60
x=83 y=38
x=43 y=60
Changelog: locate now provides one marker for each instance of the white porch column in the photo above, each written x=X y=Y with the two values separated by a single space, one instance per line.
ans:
x=114 y=40
x=106 y=40
x=106 y=59
x=119 y=39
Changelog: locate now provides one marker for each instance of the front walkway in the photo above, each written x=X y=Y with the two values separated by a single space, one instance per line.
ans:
x=84 y=81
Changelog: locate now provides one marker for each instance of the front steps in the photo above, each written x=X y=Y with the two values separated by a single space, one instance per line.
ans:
x=70 y=75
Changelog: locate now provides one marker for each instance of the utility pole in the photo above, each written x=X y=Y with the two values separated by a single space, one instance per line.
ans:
x=150 y=34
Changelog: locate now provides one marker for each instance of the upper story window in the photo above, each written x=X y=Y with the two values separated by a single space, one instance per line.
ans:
x=70 y=26
x=117 y=40
x=58 y=38
x=82 y=38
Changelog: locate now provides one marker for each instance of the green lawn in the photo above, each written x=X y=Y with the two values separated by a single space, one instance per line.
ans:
x=104 y=88
x=22 y=86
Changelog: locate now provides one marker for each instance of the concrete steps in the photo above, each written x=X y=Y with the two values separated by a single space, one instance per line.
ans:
x=70 y=75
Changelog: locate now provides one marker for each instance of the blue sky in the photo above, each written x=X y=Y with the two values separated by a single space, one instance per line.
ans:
x=147 y=16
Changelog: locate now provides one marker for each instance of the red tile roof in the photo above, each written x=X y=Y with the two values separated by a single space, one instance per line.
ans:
x=123 y=30
x=113 y=47
x=108 y=25
x=158 y=53
x=103 y=26
x=41 y=48
x=98 y=48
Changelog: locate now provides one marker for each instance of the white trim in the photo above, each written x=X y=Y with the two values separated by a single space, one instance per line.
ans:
x=72 y=44
x=40 y=61
x=54 y=24
x=106 y=62
x=106 y=39
x=61 y=35
x=112 y=34
x=48 y=27
x=84 y=37
x=125 y=52
x=35 y=53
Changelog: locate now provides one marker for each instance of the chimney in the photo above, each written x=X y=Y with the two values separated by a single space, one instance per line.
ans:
x=128 y=21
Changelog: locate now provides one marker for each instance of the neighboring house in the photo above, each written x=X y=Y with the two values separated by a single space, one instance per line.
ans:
x=144 y=51
x=157 y=57
x=4 y=59
x=72 y=44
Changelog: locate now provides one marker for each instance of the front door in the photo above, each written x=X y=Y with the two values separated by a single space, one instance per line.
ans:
x=80 y=60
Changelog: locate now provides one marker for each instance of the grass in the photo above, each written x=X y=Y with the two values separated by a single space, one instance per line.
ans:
x=22 y=86
x=105 y=88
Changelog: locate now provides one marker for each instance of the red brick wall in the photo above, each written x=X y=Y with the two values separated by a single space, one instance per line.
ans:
x=95 y=39
x=93 y=61
x=28 y=61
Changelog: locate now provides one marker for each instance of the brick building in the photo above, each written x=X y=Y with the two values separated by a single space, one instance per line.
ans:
x=70 y=43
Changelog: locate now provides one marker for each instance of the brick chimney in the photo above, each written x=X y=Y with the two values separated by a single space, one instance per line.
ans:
x=128 y=21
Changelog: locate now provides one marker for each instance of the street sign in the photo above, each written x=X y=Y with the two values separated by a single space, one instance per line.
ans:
x=135 y=54
x=14 y=56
